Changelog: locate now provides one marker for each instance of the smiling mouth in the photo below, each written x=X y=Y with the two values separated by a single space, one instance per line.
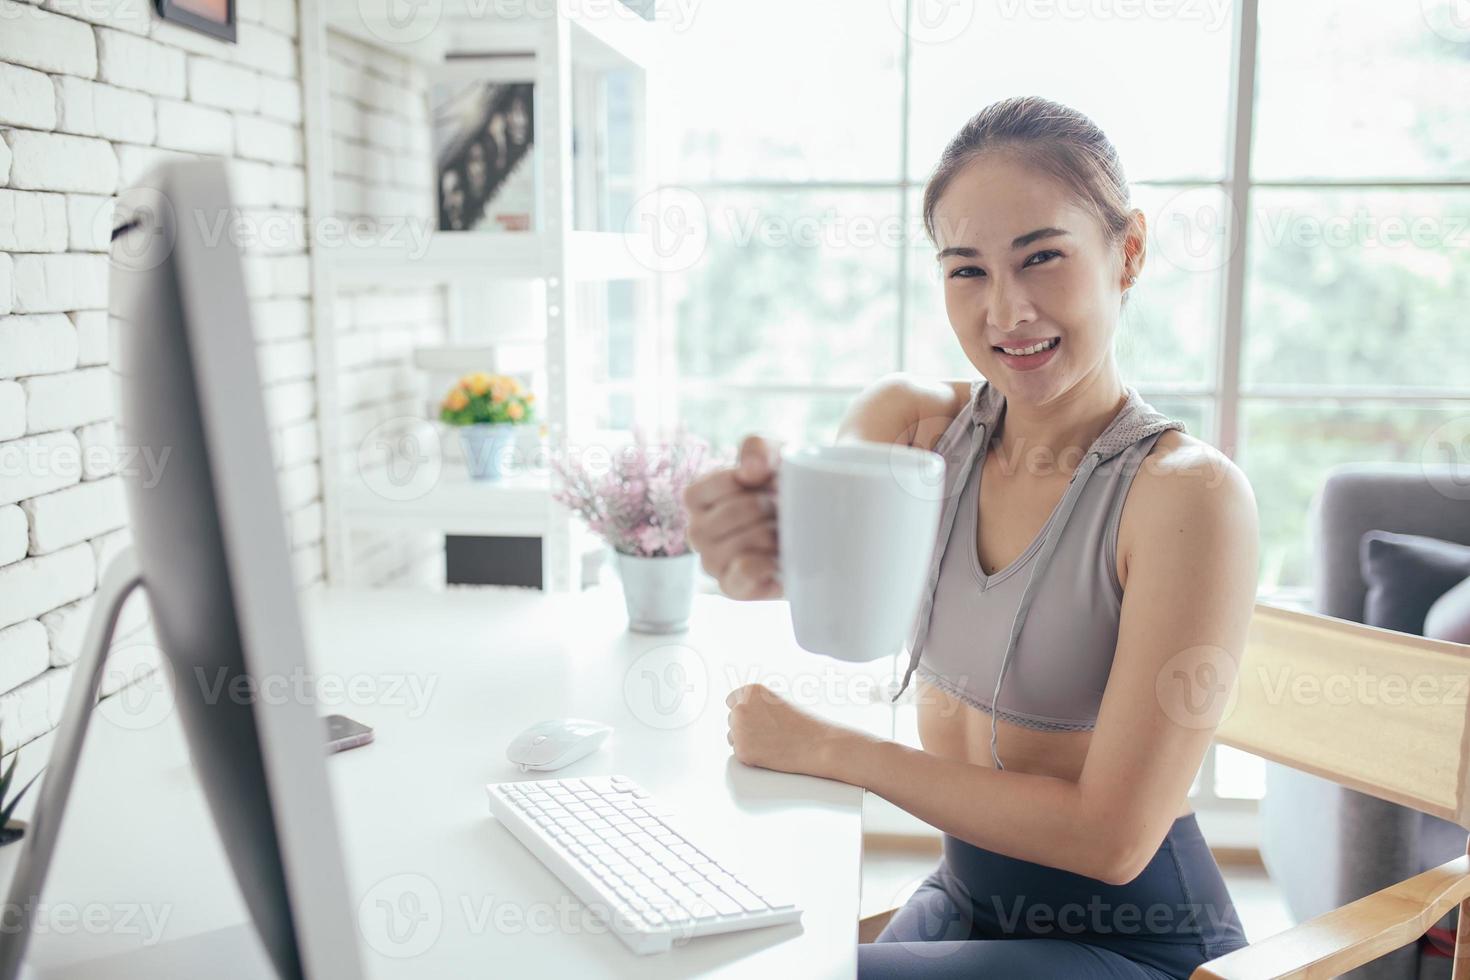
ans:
x=1031 y=351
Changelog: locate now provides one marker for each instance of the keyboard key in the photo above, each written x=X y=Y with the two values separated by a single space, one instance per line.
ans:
x=746 y=898
x=702 y=910
x=723 y=905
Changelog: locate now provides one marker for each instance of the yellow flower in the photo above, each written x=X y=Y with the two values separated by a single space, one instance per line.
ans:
x=514 y=410
x=515 y=387
x=456 y=400
x=499 y=390
x=476 y=383
x=530 y=398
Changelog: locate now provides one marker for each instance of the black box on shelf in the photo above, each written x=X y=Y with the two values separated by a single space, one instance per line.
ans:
x=474 y=560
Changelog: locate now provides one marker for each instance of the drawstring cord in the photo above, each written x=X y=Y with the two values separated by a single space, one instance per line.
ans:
x=977 y=439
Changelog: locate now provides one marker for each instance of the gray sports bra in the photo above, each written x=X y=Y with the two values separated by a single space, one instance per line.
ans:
x=968 y=627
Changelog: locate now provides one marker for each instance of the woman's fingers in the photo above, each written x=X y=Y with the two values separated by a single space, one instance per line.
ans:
x=754 y=469
x=758 y=460
x=710 y=489
x=761 y=538
x=732 y=521
x=750 y=576
x=735 y=513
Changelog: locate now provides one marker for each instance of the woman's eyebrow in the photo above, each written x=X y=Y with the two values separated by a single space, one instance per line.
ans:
x=969 y=252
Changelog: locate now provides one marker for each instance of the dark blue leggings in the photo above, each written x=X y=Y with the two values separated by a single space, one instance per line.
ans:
x=982 y=915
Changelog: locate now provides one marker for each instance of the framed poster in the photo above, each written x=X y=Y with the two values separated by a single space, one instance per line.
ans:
x=484 y=145
x=213 y=17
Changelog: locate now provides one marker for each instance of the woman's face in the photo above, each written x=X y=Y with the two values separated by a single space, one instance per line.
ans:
x=1022 y=262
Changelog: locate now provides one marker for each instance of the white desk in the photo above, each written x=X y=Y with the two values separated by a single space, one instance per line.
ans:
x=412 y=805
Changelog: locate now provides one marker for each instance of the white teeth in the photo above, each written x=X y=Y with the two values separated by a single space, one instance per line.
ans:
x=1045 y=345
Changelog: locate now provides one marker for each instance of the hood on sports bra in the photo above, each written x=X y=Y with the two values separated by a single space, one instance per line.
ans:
x=962 y=445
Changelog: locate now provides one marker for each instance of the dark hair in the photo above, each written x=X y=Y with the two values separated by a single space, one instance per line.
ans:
x=1055 y=139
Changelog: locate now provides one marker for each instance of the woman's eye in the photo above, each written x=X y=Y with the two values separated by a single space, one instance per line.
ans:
x=971 y=271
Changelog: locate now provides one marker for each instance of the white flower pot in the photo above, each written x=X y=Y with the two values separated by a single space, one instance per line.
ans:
x=659 y=592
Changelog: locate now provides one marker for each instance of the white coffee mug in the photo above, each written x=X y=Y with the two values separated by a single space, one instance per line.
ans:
x=856 y=524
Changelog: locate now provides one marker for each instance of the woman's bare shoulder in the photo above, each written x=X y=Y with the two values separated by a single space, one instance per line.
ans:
x=904 y=408
x=1188 y=477
x=936 y=402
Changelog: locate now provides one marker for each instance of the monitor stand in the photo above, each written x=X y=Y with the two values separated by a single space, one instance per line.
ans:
x=121 y=578
x=189 y=957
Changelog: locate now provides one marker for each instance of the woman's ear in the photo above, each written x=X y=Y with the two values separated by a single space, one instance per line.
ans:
x=1135 y=246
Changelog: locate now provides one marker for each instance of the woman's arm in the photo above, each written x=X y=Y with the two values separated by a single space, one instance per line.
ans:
x=1186 y=608
x=903 y=409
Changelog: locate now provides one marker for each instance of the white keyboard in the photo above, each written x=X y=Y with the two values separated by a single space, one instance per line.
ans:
x=608 y=841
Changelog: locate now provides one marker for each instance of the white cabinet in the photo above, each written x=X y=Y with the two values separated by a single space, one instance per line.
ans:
x=566 y=46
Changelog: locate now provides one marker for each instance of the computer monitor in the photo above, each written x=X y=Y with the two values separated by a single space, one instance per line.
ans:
x=210 y=549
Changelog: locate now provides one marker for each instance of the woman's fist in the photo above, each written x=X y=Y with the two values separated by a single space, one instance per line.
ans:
x=732 y=522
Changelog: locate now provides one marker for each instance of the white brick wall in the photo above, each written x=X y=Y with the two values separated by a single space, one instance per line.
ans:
x=92 y=337
x=24 y=653
x=94 y=109
x=59 y=283
x=37 y=585
x=99 y=449
x=25 y=98
x=32 y=221
x=56 y=162
x=197 y=129
x=88 y=222
x=12 y=534
x=38 y=464
x=12 y=410
x=212 y=82
x=92 y=96
x=75 y=514
x=42 y=344
x=136 y=63
x=47 y=42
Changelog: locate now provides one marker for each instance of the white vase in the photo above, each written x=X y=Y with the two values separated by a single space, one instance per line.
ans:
x=659 y=592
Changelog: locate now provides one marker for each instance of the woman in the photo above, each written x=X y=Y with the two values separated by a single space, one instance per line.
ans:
x=1088 y=600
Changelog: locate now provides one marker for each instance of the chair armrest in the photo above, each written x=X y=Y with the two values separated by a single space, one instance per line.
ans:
x=1348 y=937
x=870 y=926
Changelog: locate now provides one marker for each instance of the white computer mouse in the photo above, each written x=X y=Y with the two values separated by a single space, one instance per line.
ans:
x=559 y=742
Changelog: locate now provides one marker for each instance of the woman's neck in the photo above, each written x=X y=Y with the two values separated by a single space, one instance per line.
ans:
x=1046 y=438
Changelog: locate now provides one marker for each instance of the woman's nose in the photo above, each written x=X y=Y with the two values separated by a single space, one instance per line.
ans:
x=1008 y=307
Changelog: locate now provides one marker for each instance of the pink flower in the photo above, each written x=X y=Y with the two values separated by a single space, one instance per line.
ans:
x=637 y=505
x=651 y=538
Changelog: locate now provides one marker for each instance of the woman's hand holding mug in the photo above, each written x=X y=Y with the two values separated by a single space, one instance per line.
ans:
x=732 y=522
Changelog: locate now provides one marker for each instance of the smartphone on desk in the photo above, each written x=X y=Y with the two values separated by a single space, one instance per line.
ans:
x=343 y=733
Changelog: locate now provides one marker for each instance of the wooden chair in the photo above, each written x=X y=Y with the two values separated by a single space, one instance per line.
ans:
x=1381 y=712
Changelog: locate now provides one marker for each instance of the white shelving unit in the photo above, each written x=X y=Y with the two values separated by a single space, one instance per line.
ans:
x=563 y=41
x=469 y=256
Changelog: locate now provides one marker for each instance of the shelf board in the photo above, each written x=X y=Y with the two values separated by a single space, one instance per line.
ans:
x=368 y=21
x=453 y=255
x=621 y=40
x=604 y=36
x=604 y=255
x=517 y=505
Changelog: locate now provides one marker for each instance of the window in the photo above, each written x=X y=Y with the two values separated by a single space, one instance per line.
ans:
x=1295 y=314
